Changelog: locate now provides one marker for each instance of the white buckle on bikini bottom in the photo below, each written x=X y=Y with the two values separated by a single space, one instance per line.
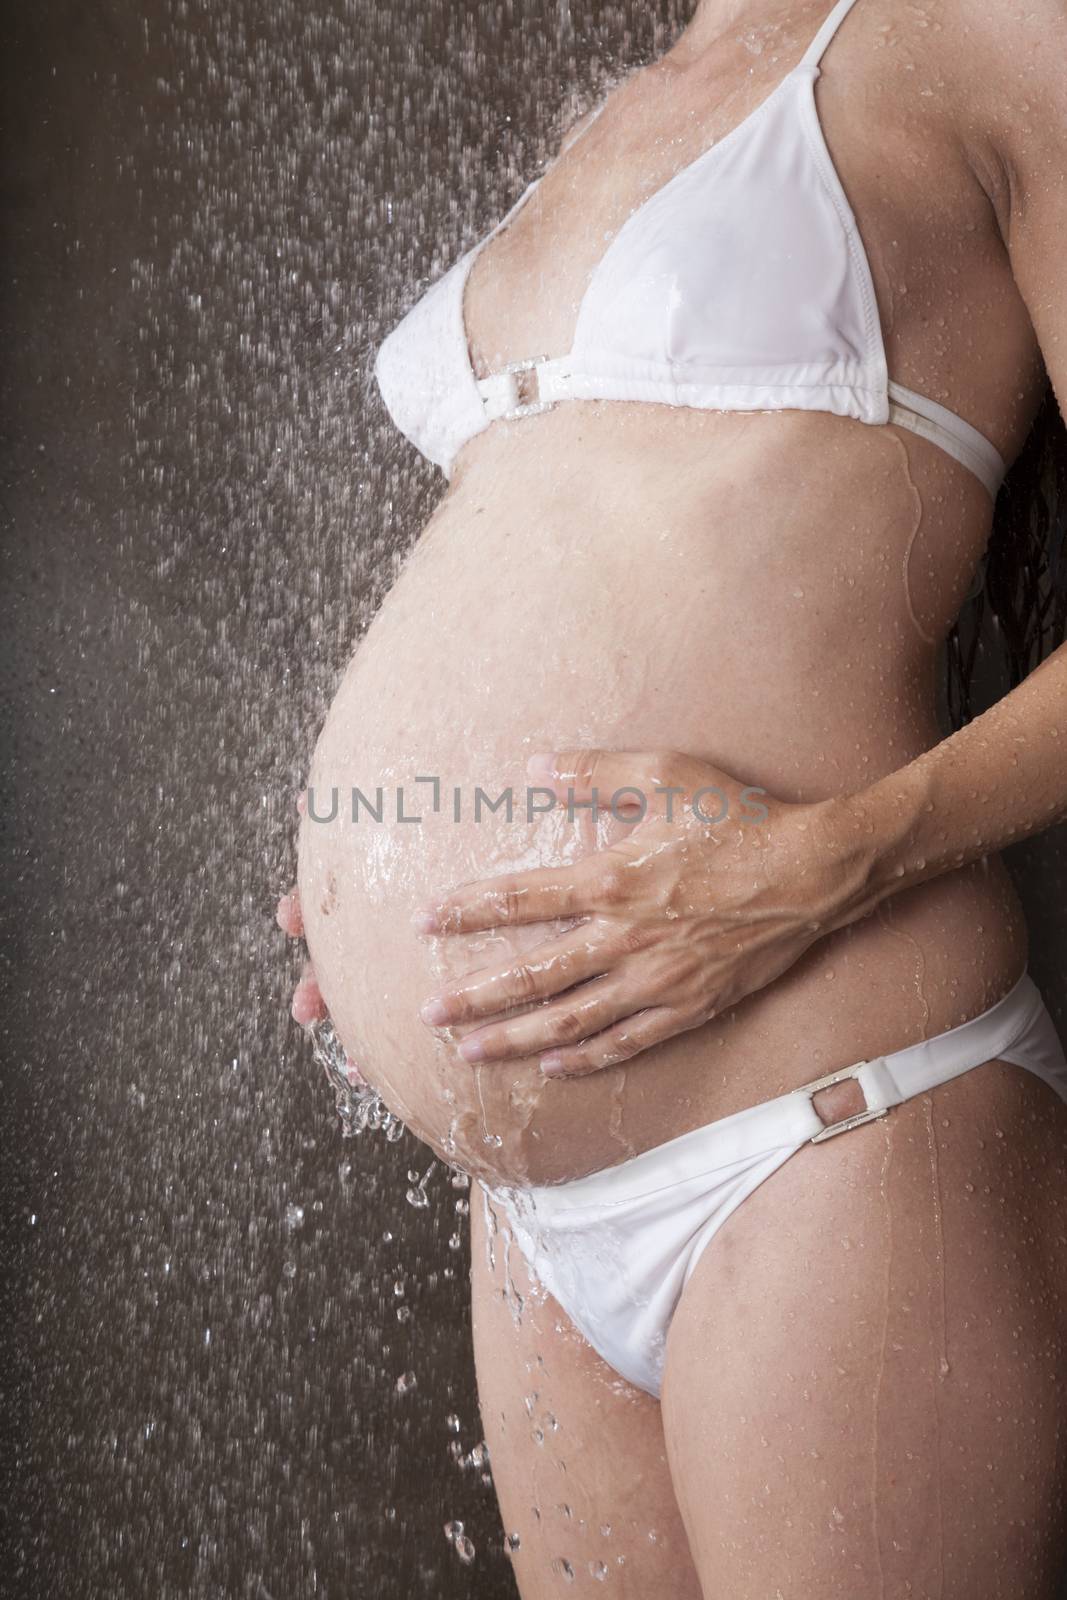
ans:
x=846 y=1123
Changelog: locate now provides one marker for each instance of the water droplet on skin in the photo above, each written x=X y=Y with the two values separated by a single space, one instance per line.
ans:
x=512 y=1542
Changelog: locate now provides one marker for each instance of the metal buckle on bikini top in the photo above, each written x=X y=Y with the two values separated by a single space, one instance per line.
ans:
x=514 y=391
x=846 y=1123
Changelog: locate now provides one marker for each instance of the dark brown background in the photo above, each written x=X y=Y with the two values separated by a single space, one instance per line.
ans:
x=212 y=212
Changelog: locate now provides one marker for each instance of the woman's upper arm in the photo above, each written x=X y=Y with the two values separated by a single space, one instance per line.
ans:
x=575 y=129
x=1026 y=103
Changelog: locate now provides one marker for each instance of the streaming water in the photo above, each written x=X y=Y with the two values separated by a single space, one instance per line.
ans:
x=918 y=517
x=218 y=209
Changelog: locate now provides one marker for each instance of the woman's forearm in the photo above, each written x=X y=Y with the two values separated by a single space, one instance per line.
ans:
x=1001 y=778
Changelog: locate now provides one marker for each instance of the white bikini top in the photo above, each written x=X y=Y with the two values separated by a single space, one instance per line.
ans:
x=740 y=285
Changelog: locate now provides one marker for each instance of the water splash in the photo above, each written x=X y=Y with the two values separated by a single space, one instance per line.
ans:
x=460 y=1542
x=358 y=1106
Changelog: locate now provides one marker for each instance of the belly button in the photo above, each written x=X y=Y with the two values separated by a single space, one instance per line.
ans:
x=328 y=903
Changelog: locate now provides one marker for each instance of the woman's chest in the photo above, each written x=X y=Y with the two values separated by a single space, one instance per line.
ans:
x=733 y=221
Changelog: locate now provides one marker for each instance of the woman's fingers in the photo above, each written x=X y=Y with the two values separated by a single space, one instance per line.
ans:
x=577 y=1015
x=620 y=1042
x=308 y=1005
x=547 y=969
x=539 y=895
x=633 y=785
x=289 y=916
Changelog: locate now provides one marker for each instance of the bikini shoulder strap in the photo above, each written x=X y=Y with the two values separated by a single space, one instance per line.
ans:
x=815 y=49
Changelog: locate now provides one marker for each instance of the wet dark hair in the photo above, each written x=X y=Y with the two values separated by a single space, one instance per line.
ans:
x=1018 y=614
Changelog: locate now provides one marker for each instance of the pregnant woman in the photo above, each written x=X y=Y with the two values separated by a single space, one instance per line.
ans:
x=767 y=1117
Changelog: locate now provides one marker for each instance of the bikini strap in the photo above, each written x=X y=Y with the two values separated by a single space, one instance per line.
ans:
x=813 y=53
x=955 y=435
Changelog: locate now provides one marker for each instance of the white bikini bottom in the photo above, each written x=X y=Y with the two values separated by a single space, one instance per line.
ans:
x=617 y=1248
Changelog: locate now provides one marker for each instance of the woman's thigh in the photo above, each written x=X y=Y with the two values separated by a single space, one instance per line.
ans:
x=865 y=1379
x=578 y=1456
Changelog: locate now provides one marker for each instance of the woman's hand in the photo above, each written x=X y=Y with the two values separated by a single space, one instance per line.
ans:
x=715 y=893
x=308 y=1005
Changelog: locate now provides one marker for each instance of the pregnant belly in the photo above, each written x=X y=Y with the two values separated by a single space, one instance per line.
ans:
x=433 y=789
x=495 y=645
